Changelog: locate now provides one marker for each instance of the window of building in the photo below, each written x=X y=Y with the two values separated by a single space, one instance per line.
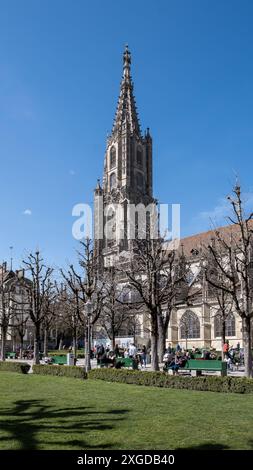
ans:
x=113 y=180
x=139 y=157
x=112 y=157
x=229 y=325
x=189 y=325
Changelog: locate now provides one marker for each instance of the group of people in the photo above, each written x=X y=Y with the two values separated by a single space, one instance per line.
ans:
x=108 y=356
x=175 y=360
x=232 y=355
x=139 y=354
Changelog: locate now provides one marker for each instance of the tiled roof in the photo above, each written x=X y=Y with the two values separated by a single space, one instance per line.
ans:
x=192 y=245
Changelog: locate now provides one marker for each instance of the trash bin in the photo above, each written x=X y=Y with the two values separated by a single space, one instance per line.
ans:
x=70 y=359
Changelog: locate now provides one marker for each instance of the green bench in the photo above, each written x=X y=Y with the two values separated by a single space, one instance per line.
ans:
x=59 y=360
x=127 y=362
x=199 y=365
x=10 y=355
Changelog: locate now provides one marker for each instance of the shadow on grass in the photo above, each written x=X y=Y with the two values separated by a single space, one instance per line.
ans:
x=205 y=446
x=250 y=442
x=28 y=418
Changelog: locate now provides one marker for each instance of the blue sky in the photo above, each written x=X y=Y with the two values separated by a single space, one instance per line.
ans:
x=60 y=69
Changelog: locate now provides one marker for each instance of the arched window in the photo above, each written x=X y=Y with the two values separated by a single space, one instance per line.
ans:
x=139 y=181
x=113 y=181
x=112 y=157
x=139 y=156
x=189 y=325
x=229 y=325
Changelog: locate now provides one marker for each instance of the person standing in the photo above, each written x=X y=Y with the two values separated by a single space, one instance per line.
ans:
x=132 y=350
x=116 y=351
x=226 y=349
x=126 y=353
x=144 y=356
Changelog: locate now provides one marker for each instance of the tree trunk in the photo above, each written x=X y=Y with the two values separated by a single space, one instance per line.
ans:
x=74 y=345
x=154 y=344
x=87 y=349
x=60 y=344
x=36 y=352
x=56 y=338
x=163 y=324
x=14 y=343
x=113 y=341
x=3 y=343
x=21 y=349
x=247 y=346
x=223 y=339
x=45 y=342
x=161 y=342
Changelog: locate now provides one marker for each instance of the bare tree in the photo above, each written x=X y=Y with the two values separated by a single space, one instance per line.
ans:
x=49 y=310
x=116 y=308
x=21 y=309
x=21 y=327
x=174 y=290
x=222 y=299
x=86 y=286
x=37 y=294
x=233 y=259
x=69 y=311
x=146 y=274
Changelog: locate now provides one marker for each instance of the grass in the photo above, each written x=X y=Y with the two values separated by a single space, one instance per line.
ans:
x=38 y=412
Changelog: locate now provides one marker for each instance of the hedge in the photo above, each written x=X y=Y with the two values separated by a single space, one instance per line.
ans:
x=19 y=367
x=79 y=355
x=162 y=379
x=63 y=371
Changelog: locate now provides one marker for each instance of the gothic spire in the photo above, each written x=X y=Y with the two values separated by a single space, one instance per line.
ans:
x=126 y=114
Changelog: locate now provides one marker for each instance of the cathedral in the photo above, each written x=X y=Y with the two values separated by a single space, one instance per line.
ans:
x=127 y=179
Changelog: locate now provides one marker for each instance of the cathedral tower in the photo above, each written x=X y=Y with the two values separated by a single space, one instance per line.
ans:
x=127 y=177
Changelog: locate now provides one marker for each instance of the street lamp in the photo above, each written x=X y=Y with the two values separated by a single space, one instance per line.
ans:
x=88 y=311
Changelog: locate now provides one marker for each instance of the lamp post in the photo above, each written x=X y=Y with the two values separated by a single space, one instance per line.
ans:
x=88 y=311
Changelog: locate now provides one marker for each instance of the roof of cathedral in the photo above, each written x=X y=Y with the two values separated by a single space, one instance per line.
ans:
x=193 y=245
x=126 y=112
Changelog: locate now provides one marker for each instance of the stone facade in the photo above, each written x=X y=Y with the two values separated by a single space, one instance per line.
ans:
x=202 y=315
x=14 y=284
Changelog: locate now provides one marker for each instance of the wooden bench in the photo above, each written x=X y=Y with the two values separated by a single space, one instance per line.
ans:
x=199 y=365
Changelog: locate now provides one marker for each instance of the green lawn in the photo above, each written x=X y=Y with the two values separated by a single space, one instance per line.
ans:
x=62 y=413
